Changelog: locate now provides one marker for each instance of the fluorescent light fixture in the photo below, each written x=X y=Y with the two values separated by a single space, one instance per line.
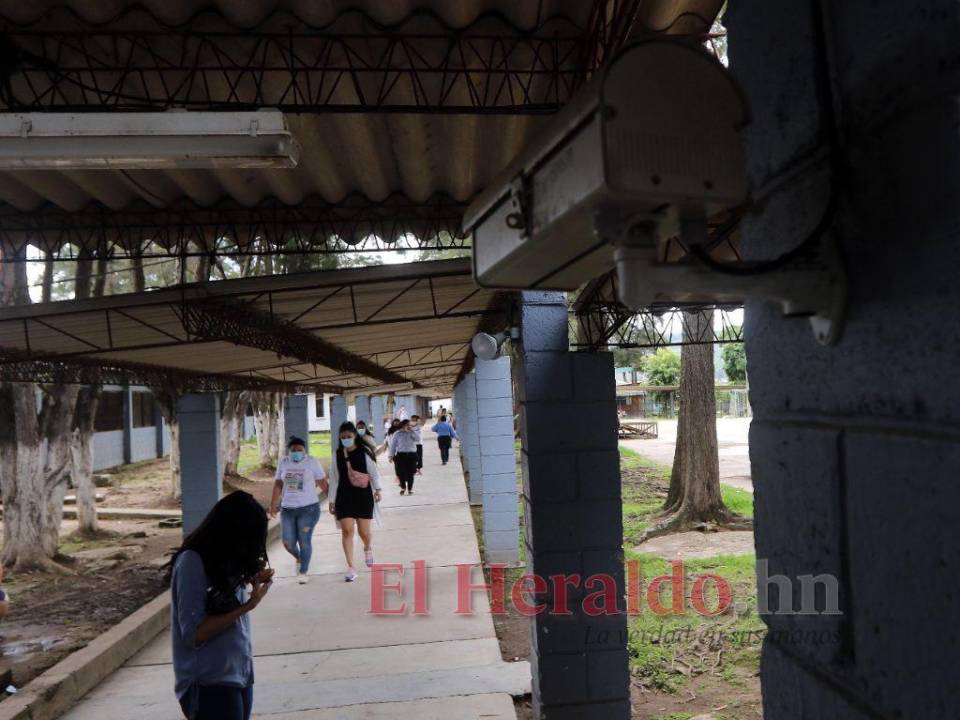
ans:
x=146 y=141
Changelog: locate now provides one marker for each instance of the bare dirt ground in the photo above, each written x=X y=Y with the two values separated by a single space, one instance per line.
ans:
x=111 y=576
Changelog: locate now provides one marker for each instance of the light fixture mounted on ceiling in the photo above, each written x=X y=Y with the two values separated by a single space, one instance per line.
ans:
x=146 y=141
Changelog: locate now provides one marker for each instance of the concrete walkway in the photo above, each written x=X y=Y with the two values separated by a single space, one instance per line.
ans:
x=733 y=447
x=321 y=655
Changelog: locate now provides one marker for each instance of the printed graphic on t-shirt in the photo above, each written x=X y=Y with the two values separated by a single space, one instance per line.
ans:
x=293 y=480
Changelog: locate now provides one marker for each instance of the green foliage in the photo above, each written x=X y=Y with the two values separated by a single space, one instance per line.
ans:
x=629 y=357
x=663 y=367
x=734 y=356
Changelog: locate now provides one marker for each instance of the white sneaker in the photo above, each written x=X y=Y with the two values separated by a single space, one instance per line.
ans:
x=351 y=575
x=303 y=578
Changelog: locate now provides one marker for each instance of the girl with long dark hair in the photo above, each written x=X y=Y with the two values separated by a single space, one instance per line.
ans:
x=354 y=493
x=365 y=435
x=208 y=578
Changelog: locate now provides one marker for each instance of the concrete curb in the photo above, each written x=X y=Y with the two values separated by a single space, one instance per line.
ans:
x=50 y=695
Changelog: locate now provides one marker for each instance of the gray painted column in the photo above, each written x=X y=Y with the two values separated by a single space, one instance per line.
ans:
x=158 y=426
x=497 y=461
x=201 y=463
x=361 y=404
x=296 y=419
x=470 y=439
x=338 y=416
x=572 y=511
x=378 y=408
x=127 y=395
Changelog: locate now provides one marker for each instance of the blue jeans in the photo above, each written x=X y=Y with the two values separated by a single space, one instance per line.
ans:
x=297 y=530
x=220 y=702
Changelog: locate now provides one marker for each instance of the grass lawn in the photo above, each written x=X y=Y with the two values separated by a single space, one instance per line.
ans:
x=672 y=652
x=250 y=457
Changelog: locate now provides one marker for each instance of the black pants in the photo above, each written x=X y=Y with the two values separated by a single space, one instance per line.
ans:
x=406 y=464
x=221 y=702
x=444 y=441
x=419 y=456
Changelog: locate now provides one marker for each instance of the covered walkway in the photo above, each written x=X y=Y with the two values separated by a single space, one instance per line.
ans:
x=320 y=654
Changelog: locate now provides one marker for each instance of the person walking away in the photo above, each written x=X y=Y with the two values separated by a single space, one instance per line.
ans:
x=417 y=428
x=403 y=450
x=445 y=435
x=300 y=481
x=209 y=607
x=354 y=494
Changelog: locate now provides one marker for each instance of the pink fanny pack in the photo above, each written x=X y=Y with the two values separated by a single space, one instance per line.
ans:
x=357 y=478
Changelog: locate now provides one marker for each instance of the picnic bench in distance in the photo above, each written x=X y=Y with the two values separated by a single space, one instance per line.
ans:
x=637 y=429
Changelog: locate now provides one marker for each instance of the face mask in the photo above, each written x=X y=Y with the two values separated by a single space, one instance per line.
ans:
x=296 y=455
x=347 y=442
x=361 y=431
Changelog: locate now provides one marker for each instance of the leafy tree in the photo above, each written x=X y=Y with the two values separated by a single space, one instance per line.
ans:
x=734 y=357
x=663 y=367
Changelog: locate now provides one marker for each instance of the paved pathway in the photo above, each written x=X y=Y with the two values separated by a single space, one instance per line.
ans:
x=734 y=450
x=321 y=656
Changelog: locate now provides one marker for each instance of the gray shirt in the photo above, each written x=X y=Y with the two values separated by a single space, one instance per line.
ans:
x=227 y=658
x=402 y=441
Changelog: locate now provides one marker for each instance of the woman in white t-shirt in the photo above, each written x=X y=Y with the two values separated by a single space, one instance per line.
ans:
x=300 y=482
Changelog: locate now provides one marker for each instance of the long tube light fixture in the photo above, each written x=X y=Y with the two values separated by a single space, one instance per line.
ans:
x=146 y=141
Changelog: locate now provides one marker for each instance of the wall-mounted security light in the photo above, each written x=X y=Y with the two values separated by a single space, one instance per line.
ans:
x=486 y=346
x=647 y=151
x=146 y=141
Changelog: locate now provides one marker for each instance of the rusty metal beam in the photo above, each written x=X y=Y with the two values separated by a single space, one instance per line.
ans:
x=251 y=327
x=32 y=367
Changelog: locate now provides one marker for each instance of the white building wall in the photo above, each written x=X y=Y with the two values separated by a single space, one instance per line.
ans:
x=320 y=424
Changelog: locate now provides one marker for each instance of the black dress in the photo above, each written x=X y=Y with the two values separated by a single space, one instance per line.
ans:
x=353 y=502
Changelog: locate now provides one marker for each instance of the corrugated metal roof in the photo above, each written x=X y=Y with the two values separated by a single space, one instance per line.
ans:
x=376 y=155
x=414 y=320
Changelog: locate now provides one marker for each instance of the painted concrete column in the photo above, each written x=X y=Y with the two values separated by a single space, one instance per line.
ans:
x=127 y=395
x=201 y=463
x=296 y=419
x=361 y=407
x=470 y=439
x=498 y=462
x=158 y=427
x=378 y=408
x=338 y=416
x=572 y=514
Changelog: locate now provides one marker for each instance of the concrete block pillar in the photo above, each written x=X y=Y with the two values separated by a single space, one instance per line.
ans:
x=497 y=461
x=572 y=510
x=378 y=408
x=127 y=395
x=158 y=427
x=338 y=416
x=296 y=419
x=470 y=439
x=201 y=463
x=361 y=408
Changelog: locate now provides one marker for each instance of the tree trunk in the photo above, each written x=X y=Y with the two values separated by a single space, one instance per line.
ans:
x=58 y=407
x=81 y=453
x=24 y=487
x=694 y=497
x=167 y=400
x=231 y=422
x=268 y=417
x=176 y=478
x=32 y=488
